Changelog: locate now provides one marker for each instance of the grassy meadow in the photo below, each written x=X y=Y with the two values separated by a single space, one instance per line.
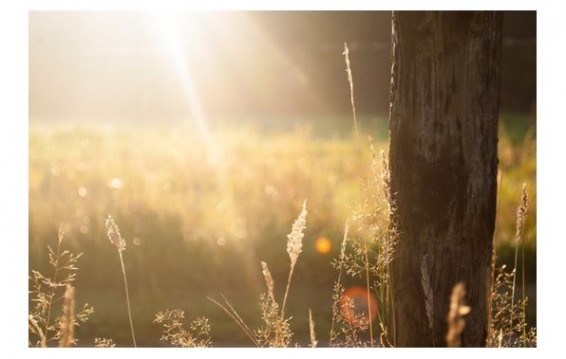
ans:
x=200 y=211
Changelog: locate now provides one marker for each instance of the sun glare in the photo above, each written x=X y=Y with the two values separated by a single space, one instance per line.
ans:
x=167 y=25
x=184 y=38
x=193 y=32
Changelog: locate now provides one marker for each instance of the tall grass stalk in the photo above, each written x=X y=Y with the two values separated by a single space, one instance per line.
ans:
x=346 y=54
x=116 y=238
x=520 y=227
x=337 y=285
x=294 y=248
x=391 y=236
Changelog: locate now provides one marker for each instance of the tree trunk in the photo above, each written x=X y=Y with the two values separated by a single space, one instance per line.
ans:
x=443 y=160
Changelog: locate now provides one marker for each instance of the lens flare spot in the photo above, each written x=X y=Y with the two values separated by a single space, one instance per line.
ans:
x=323 y=245
x=354 y=306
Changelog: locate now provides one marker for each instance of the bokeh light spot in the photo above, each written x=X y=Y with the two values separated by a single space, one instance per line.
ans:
x=323 y=245
x=82 y=191
x=115 y=183
x=354 y=306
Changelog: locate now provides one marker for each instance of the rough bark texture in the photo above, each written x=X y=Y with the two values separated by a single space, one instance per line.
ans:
x=443 y=159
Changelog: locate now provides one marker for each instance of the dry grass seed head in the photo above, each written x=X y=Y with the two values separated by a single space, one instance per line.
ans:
x=295 y=238
x=521 y=215
x=114 y=234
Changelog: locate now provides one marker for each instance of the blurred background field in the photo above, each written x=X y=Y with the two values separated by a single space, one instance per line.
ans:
x=205 y=177
x=196 y=226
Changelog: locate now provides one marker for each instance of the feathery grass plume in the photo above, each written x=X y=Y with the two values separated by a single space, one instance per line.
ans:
x=46 y=290
x=268 y=280
x=295 y=247
x=67 y=322
x=116 y=239
x=114 y=234
x=520 y=226
x=104 y=343
x=314 y=342
x=372 y=244
x=346 y=54
x=295 y=238
x=198 y=335
x=521 y=215
x=275 y=331
x=458 y=310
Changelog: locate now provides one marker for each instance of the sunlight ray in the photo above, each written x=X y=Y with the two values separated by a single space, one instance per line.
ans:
x=167 y=23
